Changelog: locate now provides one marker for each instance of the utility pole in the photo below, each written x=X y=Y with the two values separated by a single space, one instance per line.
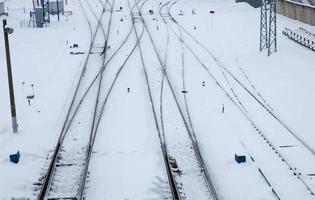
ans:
x=6 y=32
x=58 y=10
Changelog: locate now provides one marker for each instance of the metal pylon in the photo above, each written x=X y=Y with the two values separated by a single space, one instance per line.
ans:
x=263 y=25
x=268 y=26
x=272 y=39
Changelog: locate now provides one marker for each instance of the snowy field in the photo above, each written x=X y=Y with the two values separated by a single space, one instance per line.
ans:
x=217 y=86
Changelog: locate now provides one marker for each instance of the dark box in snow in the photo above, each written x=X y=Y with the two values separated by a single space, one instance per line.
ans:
x=15 y=157
x=239 y=158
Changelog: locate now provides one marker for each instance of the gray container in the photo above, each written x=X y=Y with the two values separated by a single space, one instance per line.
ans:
x=39 y=16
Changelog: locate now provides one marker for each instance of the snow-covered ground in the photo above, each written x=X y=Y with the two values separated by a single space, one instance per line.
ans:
x=127 y=161
x=40 y=57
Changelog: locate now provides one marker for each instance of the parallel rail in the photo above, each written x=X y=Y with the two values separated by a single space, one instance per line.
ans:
x=171 y=179
x=50 y=171
x=74 y=109
x=187 y=124
x=265 y=105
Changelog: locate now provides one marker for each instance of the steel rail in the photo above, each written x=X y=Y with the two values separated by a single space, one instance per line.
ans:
x=102 y=69
x=97 y=121
x=191 y=136
x=51 y=167
x=171 y=180
x=266 y=107
x=260 y=132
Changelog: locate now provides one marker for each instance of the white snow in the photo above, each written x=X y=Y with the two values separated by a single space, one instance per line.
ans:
x=127 y=161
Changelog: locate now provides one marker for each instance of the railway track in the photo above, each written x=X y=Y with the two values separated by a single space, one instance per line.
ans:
x=103 y=104
x=263 y=103
x=69 y=153
x=173 y=185
x=69 y=137
x=187 y=125
x=239 y=104
x=60 y=158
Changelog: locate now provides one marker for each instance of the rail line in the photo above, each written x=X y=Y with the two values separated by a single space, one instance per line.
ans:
x=97 y=116
x=262 y=104
x=259 y=131
x=173 y=186
x=102 y=105
x=180 y=38
x=53 y=164
x=68 y=121
x=191 y=135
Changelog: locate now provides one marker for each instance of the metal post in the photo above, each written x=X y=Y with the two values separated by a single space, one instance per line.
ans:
x=44 y=15
x=7 y=31
x=58 y=10
x=211 y=21
x=272 y=40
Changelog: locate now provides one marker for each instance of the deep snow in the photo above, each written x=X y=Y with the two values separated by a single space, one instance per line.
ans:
x=127 y=160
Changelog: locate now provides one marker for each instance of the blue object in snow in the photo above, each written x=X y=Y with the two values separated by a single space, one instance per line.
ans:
x=240 y=159
x=15 y=157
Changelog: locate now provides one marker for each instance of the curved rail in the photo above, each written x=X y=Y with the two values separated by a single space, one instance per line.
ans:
x=173 y=186
x=266 y=107
x=274 y=147
x=97 y=121
x=187 y=126
x=51 y=168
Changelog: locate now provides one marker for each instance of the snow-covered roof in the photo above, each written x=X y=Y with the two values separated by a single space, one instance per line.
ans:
x=308 y=3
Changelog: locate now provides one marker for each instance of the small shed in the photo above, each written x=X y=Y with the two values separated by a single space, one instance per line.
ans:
x=53 y=6
x=2 y=9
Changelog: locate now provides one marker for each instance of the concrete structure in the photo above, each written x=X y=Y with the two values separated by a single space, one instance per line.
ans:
x=301 y=12
x=53 y=6
x=308 y=2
